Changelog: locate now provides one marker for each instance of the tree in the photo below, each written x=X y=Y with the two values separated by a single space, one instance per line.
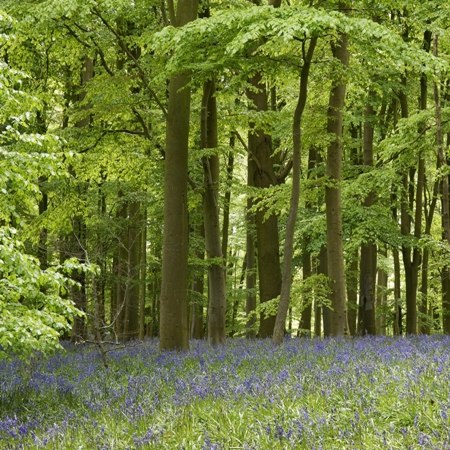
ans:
x=216 y=271
x=174 y=284
x=333 y=191
x=295 y=194
x=34 y=309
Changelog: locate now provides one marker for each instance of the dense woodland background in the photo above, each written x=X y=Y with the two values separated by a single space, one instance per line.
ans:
x=227 y=168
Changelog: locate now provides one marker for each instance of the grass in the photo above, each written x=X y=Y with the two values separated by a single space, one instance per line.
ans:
x=367 y=393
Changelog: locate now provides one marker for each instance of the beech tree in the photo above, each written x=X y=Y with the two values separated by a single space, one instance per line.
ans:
x=113 y=166
x=174 y=282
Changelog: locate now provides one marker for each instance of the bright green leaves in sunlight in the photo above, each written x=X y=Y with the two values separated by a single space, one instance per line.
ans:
x=34 y=312
x=272 y=36
x=34 y=309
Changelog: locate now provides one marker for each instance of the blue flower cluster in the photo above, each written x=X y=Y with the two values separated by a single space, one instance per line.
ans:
x=374 y=392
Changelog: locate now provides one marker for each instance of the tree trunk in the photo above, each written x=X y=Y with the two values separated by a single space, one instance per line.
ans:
x=143 y=274
x=42 y=252
x=216 y=271
x=99 y=281
x=174 y=333
x=326 y=311
x=333 y=200
x=382 y=286
x=286 y=285
x=198 y=290
x=267 y=237
x=352 y=292
x=250 y=272
x=152 y=328
x=130 y=324
x=120 y=270
x=227 y=199
x=308 y=298
x=398 y=315
x=445 y=201
x=423 y=319
x=411 y=258
x=317 y=319
x=366 y=318
x=368 y=265
x=78 y=238
x=305 y=321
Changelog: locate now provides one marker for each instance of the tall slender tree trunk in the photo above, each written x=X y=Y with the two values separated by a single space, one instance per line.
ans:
x=99 y=281
x=352 y=292
x=227 y=198
x=267 y=236
x=381 y=292
x=305 y=321
x=174 y=334
x=120 y=269
x=445 y=200
x=326 y=311
x=368 y=265
x=143 y=273
x=398 y=314
x=308 y=298
x=77 y=240
x=250 y=255
x=130 y=324
x=425 y=318
x=216 y=270
x=411 y=198
x=198 y=289
x=42 y=251
x=317 y=319
x=152 y=328
x=352 y=263
x=286 y=285
x=333 y=200
x=422 y=306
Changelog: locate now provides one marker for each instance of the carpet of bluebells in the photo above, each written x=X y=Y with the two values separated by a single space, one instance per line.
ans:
x=366 y=393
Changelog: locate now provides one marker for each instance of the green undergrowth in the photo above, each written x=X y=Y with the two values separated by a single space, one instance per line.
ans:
x=366 y=393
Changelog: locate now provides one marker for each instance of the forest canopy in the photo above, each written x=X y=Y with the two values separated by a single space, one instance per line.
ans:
x=213 y=169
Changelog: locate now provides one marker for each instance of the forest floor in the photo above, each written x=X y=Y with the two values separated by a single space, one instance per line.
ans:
x=364 y=393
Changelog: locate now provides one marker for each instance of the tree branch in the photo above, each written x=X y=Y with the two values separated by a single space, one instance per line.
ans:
x=252 y=155
x=130 y=55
